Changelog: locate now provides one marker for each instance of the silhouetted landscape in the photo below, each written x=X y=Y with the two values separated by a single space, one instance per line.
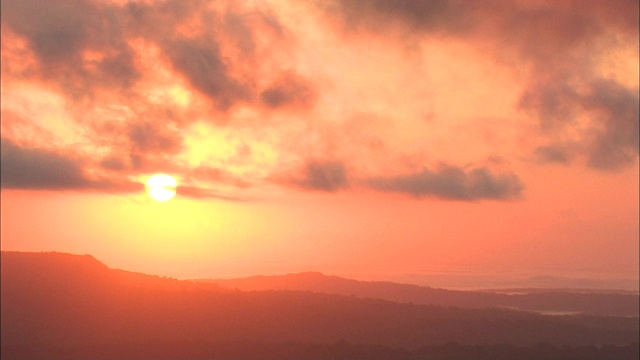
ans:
x=538 y=300
x=70 y=306
x=320 y=179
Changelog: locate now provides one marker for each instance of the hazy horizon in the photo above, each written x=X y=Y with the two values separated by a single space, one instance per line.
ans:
x=445 y=279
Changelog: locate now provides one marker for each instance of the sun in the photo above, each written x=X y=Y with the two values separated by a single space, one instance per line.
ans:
x=161 y=187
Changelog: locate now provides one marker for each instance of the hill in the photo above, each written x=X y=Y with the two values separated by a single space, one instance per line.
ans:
x=70 y=306
x=536 y=300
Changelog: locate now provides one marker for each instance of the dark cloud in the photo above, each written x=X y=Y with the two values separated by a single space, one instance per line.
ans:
x=323 y=176
x=240 y=32
x=545 y=24
x=611 y=141
x=157 y=21
x=452 y=183
x=81 y=45
x=615 y=143
x=566 y=98
x=554 y=153
x=222 y=61
x=37 y=169
x=203 y=66
x=56 y=30
x=117 y=70
x=376 y=15
x=61 y=32
x=114 y=163
x=153 y=137
x=552 y=101
x=138 y=144
x=289 y=90
x=561 y=42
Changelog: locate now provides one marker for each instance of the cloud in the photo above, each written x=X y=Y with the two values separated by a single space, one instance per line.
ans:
x=611 y=141
x=418 y=15
x=138 y=144
x=563 y=43
x=114 y=163
x=201 y=193
x=83 y=46
x=288 y=91
x=153 y=137
x=554 y=153
x=221 y=50
x=62 y=33
x=140 y=77
x=566 y=24
x=202 y=64
x=615 y=143
x=57 y=31
x=322 y=175
x=452 y=183
x=37 y=169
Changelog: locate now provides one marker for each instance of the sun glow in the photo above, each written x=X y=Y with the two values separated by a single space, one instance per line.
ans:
x=161 y=187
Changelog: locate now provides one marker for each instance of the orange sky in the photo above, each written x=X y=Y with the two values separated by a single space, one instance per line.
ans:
x=355 y=137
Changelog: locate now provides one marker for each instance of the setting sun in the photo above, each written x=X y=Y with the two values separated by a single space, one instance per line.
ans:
x=161 y=187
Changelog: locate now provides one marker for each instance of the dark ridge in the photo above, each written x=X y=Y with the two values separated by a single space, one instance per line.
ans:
x=342 y=350
x=547 y=301
x=74 y=302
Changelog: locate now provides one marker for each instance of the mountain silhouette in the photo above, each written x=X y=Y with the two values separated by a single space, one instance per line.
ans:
x=538 y=300
x=57 y=305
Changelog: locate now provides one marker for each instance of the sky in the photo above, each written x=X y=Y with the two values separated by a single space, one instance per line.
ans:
x=380 y=139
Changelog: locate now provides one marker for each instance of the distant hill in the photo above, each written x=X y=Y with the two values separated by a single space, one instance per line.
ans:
x=538 y=300
x=71 y=306
x=78 y=272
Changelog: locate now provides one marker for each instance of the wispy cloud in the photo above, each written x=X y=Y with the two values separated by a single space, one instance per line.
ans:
x=320 y=175
x=453 y=183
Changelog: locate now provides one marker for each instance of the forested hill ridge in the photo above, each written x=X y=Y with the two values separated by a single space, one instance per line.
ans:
x=70 y=306
x=538 y=300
